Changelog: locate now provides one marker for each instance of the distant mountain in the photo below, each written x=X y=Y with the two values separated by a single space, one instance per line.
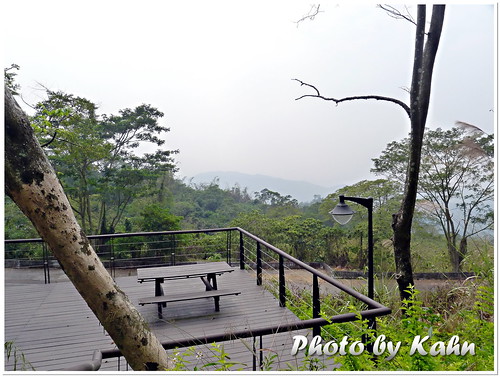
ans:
x=300 y=190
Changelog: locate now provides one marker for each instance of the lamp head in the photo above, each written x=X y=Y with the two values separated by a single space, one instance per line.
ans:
x=342 y=213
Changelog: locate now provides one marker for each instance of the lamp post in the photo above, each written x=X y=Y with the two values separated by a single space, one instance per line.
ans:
x=342 y=213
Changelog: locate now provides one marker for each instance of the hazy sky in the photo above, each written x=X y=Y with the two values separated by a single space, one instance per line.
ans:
x=222 y=72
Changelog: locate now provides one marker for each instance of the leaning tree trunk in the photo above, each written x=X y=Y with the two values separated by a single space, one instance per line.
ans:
x=32 y=184
x=423 y=64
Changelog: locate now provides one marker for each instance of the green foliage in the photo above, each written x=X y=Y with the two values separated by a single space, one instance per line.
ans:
x=156 y=218
x=205 y=206
x=307 y=239
x=95 y=156
x=16 y=224
x=10 y=79
x=217 y=360
x=210 y=246
x=273 y=198
x=481 y=260
x=386 y=198
x=223 y=360
x=456 y=182
x=472 y=322
x=308 y=364
x=413 y=319
x=20 y=361
x=382 y=191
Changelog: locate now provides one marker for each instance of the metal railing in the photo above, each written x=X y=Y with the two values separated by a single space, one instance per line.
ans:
x=130 y=250
x=246 y=250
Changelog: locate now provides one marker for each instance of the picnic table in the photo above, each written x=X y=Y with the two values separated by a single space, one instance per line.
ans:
x=207 y=272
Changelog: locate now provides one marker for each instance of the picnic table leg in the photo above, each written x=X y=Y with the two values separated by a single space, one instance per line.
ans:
x=212 y=278
x=159 y=292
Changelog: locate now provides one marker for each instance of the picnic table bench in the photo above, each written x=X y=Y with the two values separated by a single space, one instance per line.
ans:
x=207 y=272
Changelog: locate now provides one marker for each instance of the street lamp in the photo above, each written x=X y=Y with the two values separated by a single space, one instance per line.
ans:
x=342 y=213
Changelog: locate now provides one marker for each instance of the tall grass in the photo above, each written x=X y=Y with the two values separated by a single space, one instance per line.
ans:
x=466 y=311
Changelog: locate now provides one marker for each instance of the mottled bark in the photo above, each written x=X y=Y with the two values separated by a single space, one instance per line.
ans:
x=33 y=185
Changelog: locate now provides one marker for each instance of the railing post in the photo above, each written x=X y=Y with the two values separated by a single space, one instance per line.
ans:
x=174 y=243
x=44 y=262
x=172 y=259
x=316 y=305
x=46 y=267
x=113 y=273
x=259 y=264
x=242 y=252
x=372 y=325
x=261 y=354
x=254 y=353
x=282 y=281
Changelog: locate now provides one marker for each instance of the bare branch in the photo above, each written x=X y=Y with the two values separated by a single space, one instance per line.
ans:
x=26 y=103
x=396 y=13
x=487 y=226
x=302 y=83
x=470 y=128
x=50 y=141
x=406 y=89
x=313 y=12
x=353 y=98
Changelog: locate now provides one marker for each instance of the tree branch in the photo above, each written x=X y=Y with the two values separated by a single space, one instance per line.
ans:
x=313 y=12
x=396 y=13
x=50 y=141
x=26 y=103
x=353 y=98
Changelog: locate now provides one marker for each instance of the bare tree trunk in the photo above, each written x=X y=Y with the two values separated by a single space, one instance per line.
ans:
x=424 y=57
x=419 y=105
x=462 y=253
x=33 y=185
x=454 y=255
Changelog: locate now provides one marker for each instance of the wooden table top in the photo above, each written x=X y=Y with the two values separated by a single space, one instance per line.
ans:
x=183 y=271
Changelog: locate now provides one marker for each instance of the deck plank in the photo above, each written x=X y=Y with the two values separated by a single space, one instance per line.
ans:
x=54 y=328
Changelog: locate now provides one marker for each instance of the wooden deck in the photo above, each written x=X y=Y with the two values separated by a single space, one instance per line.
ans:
x=54 y=328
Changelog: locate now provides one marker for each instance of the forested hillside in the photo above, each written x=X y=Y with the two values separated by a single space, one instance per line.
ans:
x=114 y=188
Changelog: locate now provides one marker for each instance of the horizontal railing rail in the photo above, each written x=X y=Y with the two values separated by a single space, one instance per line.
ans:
x=99 y=355
x=145 y=249
x=136 y=234
x=305 y=266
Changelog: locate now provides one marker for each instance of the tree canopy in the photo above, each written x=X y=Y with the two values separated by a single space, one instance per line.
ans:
x=97 y=156
x=456 y=184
